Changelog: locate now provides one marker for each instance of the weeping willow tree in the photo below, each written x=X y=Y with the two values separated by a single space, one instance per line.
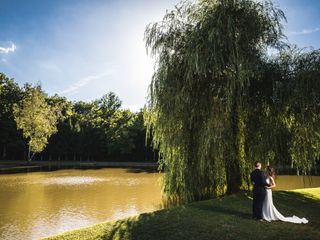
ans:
x=206 y=53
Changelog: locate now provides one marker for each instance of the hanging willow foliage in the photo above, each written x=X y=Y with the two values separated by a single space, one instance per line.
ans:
x=283 y=124
x=296 y=107
x=210 y=55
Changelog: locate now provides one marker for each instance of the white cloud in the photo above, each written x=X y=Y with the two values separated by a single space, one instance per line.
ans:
x=304 y=32
x=8 y=49
x=83 y=82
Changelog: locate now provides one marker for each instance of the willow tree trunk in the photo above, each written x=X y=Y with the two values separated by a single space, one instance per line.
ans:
x=29 y=154
x=233 y=172
x=4 y=153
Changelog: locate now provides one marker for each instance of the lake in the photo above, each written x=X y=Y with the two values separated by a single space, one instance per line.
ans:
x=35 y=205
x=39 y=204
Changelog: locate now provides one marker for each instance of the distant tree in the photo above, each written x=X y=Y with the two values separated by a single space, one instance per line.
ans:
x=36 y=119
x=109 y=104
x=11 y=142
x=61 y=144
x=97 y=131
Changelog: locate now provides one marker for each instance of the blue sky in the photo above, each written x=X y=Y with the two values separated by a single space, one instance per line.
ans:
x=83 y=49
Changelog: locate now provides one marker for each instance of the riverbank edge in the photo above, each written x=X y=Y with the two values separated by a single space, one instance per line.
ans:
x=11 y=167
x=233 y=221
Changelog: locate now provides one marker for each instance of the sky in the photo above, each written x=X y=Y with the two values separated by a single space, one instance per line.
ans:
x=82 y=49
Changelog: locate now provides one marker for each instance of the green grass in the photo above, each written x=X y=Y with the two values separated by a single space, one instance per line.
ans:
x=224 y=218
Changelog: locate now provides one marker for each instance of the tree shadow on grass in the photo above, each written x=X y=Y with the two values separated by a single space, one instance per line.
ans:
x=224 y=210
x=296 y=197
x=216 y=216
x=130 y=228
x=294 y=203
x=120 y=230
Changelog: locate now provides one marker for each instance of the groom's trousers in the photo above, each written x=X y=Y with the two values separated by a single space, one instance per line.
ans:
x=259 y=193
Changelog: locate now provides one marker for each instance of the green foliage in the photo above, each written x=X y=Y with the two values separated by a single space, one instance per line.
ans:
x=11 y=141
x=218 y=102
x=86 y=131
x=284 y=121
x=207 y=52
x=36 y=119
x=303 y=118
x=10 y=93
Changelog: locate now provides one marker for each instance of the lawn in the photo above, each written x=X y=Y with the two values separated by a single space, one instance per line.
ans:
x=228 y=217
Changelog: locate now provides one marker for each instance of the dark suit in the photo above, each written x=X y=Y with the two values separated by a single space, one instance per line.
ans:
x=259 y=192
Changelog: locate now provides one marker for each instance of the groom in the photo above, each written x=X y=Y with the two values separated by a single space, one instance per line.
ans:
x=259 y=192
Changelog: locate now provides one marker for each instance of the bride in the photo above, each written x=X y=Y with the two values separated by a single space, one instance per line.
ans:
x=269 y=212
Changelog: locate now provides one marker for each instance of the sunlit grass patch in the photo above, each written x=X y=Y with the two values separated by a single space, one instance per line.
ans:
x=228 y=217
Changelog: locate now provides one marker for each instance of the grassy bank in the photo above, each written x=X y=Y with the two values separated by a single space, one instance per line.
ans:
x=224 y=218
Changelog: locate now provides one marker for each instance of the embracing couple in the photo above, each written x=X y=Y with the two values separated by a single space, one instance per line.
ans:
x=263 y=208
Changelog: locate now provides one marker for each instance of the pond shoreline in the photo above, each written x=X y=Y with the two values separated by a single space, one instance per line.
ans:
x=11 y=167
x=228 y=217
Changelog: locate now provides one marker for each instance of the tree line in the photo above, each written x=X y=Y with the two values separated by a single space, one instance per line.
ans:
x=219 y=100
x=34 y=125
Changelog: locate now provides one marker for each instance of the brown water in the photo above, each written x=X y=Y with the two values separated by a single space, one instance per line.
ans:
x=36 y=205
x=286 y=182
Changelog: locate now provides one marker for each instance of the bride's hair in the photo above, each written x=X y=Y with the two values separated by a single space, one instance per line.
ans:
x=270 y=171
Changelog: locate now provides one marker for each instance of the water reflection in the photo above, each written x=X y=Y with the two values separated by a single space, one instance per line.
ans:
x=36 y=205
x=72 y=180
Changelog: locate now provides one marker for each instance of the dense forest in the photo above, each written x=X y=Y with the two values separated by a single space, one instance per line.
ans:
x=100 y=130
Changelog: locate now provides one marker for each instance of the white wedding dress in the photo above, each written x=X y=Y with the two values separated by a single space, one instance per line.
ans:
x=270 y=213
